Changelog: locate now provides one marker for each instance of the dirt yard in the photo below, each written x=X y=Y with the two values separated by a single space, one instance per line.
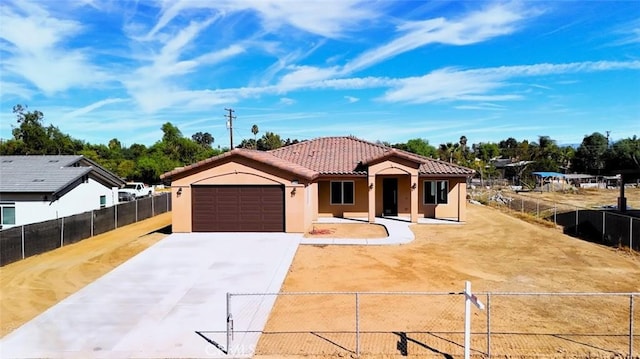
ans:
x=346 y=230
x=587 y=198
x=497 y=253
x=30 y=286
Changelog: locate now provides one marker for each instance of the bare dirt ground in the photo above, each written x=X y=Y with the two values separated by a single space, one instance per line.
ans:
x=346 y=230
x=586 y=198
x=495 y=251
x=498 y=253
x=30 y=286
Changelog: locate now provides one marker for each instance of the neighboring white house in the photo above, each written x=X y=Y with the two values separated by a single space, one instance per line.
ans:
x=39 y=188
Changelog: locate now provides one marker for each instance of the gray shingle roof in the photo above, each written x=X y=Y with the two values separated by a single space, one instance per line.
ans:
x=43 y=174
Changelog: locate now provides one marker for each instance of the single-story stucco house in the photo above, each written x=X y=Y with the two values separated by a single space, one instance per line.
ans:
x=39 y=188
x=287 y=189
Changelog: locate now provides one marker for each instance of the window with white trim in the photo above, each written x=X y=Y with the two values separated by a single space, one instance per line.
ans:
x=436 y=192
x=8 y=213
x=103 y=201
x=342 y=192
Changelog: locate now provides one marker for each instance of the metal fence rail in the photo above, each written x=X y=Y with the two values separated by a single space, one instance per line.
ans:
x=601 y=226
x=20 y=242
x=428 y=324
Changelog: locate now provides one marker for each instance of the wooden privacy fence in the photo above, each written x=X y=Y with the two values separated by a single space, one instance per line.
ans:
x=20 y=242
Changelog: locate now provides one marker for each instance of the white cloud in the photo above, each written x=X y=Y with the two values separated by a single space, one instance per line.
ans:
x=351 y=99
x=325 y=18
x=628 y=33
x=37 y=50
x=478 y=26
x=152 y=85
x=92 y=107
x=484 y=106
x=287 y=101
x=16 y=89
x=302 y=76
x=451 y=84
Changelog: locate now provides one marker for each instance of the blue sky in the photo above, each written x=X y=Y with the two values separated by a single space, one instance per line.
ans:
x=379 y=70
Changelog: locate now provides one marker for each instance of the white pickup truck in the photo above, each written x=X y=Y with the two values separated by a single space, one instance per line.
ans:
x=137 y=189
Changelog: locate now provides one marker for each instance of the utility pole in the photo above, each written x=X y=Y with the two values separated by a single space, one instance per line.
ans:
x=230 y=118
x=608 y=132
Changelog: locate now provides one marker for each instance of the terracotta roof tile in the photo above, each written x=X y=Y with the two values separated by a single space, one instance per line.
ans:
x=331 y=156
x=346 y=156
x=260 y=156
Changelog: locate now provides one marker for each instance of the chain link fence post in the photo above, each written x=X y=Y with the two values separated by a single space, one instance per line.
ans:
x=631 y=326
x=488 y=325
x=229 y=324
x=357 y=324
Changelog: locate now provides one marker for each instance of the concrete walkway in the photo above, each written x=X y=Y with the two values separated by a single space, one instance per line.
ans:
x=171 y=299
x=168 y=301
x=398 y=231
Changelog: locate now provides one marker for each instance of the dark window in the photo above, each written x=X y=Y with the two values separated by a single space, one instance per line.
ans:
x=436 y=192
x=8 y=212
x=342 y=192
x=103 y=201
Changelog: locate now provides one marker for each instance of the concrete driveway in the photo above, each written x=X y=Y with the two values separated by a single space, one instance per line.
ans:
x=168 y=301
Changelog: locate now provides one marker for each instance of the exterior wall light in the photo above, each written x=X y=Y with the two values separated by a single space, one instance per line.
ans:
x=371 y=186
x=179 y=193
x=414 y=186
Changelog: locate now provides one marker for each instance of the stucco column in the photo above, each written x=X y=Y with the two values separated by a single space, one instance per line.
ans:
x=414 y=198
x=371 y=180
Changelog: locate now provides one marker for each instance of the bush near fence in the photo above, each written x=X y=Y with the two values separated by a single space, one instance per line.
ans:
x=424 y=324
x=24 y=241
x=606 y=227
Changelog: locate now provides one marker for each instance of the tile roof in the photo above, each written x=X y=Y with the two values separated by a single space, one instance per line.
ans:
x=259 y=156
x=348 y=155
x=331 y=156
x=47 y=174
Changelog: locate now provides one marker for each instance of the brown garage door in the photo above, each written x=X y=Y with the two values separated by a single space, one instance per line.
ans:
x=237 y=208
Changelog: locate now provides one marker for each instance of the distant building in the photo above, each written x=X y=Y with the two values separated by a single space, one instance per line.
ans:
x=39 y=188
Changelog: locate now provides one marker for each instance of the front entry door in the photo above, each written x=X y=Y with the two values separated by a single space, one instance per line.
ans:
x=390 y=196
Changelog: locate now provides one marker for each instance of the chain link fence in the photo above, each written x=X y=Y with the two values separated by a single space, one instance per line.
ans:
x=426 y=324
x=20 y=242
x=600 y=226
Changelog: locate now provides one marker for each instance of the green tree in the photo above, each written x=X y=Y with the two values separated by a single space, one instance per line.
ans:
x=30 y=130
x=203 y=139
x=447 y=151
x=421 y=147
x=625 y=155
x=509 y=148
x=591 y=154
x=269 y=141
x=255 y=130
x=486 y=151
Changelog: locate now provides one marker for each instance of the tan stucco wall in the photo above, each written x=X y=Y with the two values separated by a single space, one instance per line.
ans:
x=407 y=174
x=457 y=203
x=240 y=171
x=358 y=209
